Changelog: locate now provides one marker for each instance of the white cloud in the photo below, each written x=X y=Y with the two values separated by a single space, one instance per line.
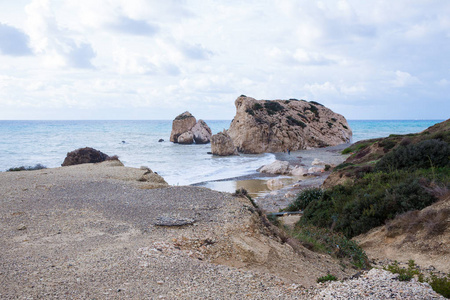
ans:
x=56 y=45
x=178 y=54
x=403 y=79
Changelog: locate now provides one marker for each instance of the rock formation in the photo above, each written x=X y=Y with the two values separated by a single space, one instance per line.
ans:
x=182 y=124
x=202 y=132
x=186 y=138
x=221 y=144
x=84 y=156
x=277 y=167
x=278 y=125
x=186 y=130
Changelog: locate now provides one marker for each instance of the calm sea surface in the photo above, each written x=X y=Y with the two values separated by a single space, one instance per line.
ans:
x=26 y=143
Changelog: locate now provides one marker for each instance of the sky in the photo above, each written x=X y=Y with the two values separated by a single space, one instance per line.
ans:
x=149 y=60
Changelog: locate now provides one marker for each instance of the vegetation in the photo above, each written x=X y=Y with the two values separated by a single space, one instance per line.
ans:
x=316 y=103
x=328 y=277
x=440 y=285
x=356 y=208
x=29 y=168
x=257 y=106
x=313 y=109
x=295 y=122
x=387 y=177
x=304 y=198
x=273 y=107
x=333 y=243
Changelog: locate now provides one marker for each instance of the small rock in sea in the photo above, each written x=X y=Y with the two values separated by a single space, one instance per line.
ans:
x=160 y=140
x=21 y=227
x=208 y=152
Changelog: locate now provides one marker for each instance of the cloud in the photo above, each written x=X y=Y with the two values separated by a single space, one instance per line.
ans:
x=196 y=51
x=59 y=47
x=13 y=41
x=135 y=27
x=403 y=79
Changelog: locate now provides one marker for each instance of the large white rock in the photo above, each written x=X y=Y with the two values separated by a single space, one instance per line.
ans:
x=299 y=171
x=317 y=162
x=202 y=132
x=277 y=167
x=186 y=138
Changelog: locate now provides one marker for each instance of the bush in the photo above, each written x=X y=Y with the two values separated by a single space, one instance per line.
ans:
x=328 y=277
x=313 y=109
x=357 y=208
x=257 y=106
x=333 y=243
x=440 y=285
x=294 y=122
x=273 y=107
x=424 y=155
x=304 y=198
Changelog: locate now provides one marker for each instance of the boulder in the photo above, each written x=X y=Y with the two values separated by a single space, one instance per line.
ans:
x=299 y=171
x=186 y=138
x=84 y=156
x=182 y=124
x=317 y=162
x=222 y=144
x=315 y=170
x=160 y=140
x=202 y=132
x=277 y=167
x=276 y=125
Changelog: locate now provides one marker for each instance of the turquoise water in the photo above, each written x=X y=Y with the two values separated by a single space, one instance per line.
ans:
x=26 y=143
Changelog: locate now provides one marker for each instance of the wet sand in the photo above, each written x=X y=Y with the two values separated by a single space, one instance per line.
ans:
x=272 y=200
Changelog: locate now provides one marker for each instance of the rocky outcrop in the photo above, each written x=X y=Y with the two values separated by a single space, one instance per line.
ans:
x=202 y=132
x=277 y=167
x=186 y=130
x=278 y=125
x=182 y=123
x=85 y=156
x=221 y=144
x=186 y=138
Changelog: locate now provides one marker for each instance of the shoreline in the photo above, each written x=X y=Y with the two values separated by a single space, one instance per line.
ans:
x=273 y=200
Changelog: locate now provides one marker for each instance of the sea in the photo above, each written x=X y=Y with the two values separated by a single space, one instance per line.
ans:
x=27 y=143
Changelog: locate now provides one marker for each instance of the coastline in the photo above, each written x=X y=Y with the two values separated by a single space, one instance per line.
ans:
x=274 y=200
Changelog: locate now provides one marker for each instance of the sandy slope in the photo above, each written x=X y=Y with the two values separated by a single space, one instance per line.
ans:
x=88 y=231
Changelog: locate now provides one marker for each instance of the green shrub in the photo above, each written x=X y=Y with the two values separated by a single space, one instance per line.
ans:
x=273 y=107
x=440 y=285
x=424 y=155
x=343 y=125
x=294 y=122
x=250 y=111
x=328 y=277
x=257 y=106
x=333 y=243
x=304 y=198
x=330 y=124
x=302 y=116
x=356 y=208
x=313 y=109
x=316 y=103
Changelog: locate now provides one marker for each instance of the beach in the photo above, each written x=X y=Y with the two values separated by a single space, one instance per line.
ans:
x=98 y=231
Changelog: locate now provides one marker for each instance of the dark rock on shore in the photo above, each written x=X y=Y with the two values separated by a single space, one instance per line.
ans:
x=84 y=156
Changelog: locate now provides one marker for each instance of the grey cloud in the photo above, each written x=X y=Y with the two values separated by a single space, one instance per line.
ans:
x=134 y=27
x=13 y=41
x=80 y=56
x=196 y=52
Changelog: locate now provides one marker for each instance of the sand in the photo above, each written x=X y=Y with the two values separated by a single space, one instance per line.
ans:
x=89 y=231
